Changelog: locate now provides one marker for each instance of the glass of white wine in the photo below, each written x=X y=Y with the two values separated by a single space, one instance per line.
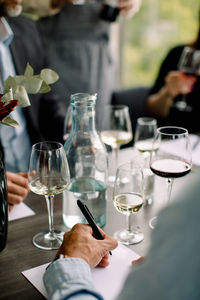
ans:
x=128 y=199
x=48 y=175
x=116 y=129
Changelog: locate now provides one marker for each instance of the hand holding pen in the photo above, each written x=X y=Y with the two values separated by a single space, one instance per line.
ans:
x=87 y=242
x=89 y=217
x=79 y=242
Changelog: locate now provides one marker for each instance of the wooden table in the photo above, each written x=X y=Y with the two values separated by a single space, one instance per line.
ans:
x=20 y=254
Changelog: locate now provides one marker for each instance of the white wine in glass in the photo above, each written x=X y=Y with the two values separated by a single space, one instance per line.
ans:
x=116 y=129
x=48 y=175
x=173 y=164
x=128 y=199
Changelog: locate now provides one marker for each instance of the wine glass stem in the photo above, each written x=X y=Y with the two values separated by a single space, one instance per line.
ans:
x=50 y=201
x=116 y=154
x=169 y=189
x=128 y=223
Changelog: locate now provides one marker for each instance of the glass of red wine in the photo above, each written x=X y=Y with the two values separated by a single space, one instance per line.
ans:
x=189 y=64
x=171 y=157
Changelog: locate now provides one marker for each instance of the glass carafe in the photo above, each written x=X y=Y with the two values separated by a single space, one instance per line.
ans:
x=88 y=164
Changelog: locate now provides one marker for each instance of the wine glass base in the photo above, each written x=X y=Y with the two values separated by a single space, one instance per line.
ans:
x=182 y=106
x=129 y=238
x=45 y=241
x=153 y=222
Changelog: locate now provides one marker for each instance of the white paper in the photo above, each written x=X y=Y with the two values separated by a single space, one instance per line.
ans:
x=116 y=272
x=175 y=148
x=20 y=211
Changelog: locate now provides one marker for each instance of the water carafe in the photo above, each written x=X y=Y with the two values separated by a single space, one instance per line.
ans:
x=88 y=164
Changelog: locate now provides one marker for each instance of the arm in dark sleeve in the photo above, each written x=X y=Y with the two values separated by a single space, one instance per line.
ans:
x=170 y=63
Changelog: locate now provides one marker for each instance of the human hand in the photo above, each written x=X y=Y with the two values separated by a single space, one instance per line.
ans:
x=129 y=7
x=177 y=83
x=17 y=184
x=79 y=242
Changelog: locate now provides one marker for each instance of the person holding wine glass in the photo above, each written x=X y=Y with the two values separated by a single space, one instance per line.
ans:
x=48 y=175
x=170 y=87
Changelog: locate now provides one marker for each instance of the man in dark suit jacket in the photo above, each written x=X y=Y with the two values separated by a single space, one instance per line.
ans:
x=45 y=117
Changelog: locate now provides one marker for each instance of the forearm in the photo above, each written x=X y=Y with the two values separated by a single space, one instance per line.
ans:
x=72 y=281
x=159 y=104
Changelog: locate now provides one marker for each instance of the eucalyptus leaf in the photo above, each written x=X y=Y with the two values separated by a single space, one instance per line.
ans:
x=49 y=76
x=29 y=71
x=10 y=122
x=45 y=88
x=10 y=82
x=21 y=95
x=7 y=97
x=32 y=84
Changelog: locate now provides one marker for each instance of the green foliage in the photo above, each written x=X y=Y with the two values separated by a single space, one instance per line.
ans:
x=150 y=34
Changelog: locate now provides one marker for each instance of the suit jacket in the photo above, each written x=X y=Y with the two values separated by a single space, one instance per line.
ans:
x=45 y=116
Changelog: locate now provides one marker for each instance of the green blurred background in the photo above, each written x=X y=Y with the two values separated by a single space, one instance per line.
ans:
x=148 y=36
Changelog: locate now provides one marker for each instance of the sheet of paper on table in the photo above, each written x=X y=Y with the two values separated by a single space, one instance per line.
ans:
x=116 y=272
x=20 y=211
x=175 y=148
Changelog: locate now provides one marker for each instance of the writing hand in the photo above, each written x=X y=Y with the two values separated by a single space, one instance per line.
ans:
x=79 y=242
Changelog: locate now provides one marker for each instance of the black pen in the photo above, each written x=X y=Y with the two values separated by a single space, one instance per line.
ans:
x=89 y=217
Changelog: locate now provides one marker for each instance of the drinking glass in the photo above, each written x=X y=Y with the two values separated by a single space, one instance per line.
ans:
x=172 y=158
x=116 y=129
x=48 y=175
x=67 y=123
x=144 y=136
x=189 y=64
x=128 y=199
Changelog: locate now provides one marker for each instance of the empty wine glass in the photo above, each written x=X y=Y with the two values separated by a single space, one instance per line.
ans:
x=189 y=64
x=116 y=129
x=144 y=136
x=172 y=159
x=128 y=199
x=48 y=175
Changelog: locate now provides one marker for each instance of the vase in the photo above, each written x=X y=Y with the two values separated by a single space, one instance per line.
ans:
x=3 y=204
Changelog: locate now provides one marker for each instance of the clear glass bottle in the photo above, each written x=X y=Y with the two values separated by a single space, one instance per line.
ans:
x=88 y=164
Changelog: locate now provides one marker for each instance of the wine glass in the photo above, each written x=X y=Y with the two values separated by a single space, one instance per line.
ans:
x=173 y=158
x=67 y=123
x=189 y=64
x=144 y=136
x=128 y=199
x=48 y=175
x=116 y=129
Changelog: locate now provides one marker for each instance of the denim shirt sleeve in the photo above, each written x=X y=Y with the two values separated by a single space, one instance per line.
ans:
x=70 y=278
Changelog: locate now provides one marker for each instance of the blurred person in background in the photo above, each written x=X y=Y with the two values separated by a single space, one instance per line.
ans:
x=20 y=43
x=169 y=88
x=78 y=46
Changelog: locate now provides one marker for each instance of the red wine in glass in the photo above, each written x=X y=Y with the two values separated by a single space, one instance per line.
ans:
x=170 y=168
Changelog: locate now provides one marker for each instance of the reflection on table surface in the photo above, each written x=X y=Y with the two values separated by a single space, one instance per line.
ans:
x=20 y=254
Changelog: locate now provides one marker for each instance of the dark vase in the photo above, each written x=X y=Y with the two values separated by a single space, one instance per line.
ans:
x=3 y=204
